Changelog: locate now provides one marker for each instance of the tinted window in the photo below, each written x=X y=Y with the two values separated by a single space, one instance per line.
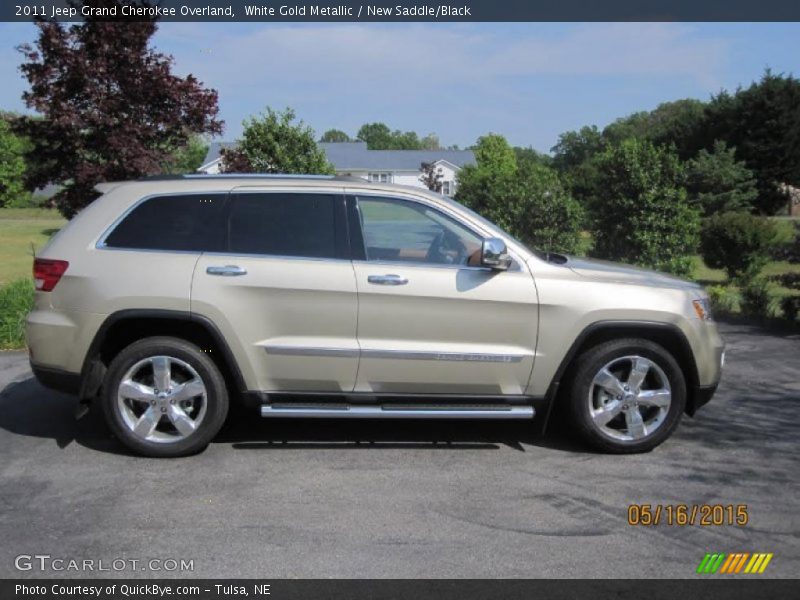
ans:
x=283 y=225
x=186 y=222
x=397 y=230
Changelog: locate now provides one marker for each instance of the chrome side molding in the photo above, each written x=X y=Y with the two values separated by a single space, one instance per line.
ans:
x=393 y=354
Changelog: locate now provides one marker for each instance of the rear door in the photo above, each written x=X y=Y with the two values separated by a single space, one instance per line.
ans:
x=283 y=290
x=430 y=319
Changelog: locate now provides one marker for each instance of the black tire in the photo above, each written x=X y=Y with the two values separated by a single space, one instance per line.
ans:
x=590 y=363
x=216 y=397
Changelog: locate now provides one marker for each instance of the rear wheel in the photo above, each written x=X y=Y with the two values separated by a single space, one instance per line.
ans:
x=164 y=398
x=627 y=396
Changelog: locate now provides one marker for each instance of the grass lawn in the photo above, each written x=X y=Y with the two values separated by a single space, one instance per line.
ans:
x=19 y=228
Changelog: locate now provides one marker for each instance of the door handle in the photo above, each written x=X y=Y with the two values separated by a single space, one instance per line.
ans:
x=227 y=271
x=387 y=279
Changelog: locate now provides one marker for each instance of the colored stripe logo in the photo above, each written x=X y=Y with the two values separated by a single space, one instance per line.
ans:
x=738 y=562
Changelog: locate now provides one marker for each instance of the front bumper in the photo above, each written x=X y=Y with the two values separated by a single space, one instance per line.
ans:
x=702 y=396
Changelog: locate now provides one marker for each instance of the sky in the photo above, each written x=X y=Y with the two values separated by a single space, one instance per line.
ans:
x=527 y=81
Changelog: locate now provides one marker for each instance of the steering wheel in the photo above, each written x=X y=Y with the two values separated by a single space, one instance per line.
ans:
x=445 y=240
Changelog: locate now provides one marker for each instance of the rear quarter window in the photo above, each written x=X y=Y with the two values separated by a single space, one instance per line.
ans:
x=190 y=222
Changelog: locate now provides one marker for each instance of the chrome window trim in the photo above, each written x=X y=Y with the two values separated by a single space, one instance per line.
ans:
x=402 y=263
x=277 y=257
x=101 y=243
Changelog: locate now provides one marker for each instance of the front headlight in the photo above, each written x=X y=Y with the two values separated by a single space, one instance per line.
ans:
x=702 y=307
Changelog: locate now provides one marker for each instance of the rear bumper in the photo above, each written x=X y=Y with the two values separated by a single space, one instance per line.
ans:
x=57 y=379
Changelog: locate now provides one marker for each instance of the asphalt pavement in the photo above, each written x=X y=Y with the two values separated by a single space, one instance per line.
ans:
x=317 y=498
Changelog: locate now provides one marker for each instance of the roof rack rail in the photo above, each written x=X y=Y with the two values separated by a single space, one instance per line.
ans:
x=180 y=176
x=159 y=177
x=255 y=176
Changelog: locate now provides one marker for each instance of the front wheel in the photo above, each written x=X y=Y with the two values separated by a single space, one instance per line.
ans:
x=163 y=397
x=627 y=396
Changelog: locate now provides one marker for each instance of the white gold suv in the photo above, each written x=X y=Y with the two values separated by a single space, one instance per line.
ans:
x=335 y=297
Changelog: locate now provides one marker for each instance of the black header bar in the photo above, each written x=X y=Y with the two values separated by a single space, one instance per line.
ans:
x=709 y=588
x=378 y=11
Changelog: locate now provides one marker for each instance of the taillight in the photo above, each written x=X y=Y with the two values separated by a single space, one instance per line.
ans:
x=47 y=273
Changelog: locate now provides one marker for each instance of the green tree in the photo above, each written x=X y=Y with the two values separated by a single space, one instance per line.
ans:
x=526 y=199
x=763 y=123
x=740 y=243
x=532 y=156
x=574 y=148
x=187 y=158
x=716 y=182
x=680 y=123
x=111 y=108
x=645 y=217
x=273 y=142
x=335 y=135
x=574 y=158
x=493 y=153
x=12 y=167
x=430 y=142
x=378 y=136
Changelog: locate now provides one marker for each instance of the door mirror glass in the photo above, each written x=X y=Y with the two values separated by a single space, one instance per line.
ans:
x=494 y=254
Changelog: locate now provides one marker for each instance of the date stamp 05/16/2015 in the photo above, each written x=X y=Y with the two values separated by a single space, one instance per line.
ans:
x=686 y=515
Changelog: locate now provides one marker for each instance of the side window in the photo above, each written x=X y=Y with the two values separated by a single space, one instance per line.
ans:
x=283 y=224
x=399 y=230
x=191 y=222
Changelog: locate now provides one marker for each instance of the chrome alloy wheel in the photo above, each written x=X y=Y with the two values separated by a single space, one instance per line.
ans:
x=162 y=399
x=629 y=398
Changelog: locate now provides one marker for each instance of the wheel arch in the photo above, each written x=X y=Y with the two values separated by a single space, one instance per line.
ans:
x=667 y=335
x=127 y=326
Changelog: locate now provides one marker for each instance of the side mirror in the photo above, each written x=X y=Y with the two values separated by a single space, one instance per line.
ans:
x=494 y=254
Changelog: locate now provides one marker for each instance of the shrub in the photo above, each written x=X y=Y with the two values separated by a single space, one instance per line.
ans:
x=790 y=305
x=758 y=299
x=725 y=300
x=16 y=300
x=789 y=251
x=740 y=243
x=716 y=182
x=644 y=216
x=788 y=280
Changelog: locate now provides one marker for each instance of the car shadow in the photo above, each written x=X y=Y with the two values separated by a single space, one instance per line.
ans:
x=30 y=410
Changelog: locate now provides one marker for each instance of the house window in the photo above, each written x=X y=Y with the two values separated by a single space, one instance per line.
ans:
x=380 y=177
x=447 y=188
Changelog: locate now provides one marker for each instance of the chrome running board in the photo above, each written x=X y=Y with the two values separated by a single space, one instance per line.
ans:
x=349 y=411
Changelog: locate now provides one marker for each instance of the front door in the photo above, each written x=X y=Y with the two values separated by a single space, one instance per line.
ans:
x=431 y=320
x=283 y=291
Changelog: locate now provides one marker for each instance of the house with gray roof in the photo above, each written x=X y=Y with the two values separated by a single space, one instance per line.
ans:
x=385 y=166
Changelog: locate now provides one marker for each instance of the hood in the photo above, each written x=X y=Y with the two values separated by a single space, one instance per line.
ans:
x=602 y=270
